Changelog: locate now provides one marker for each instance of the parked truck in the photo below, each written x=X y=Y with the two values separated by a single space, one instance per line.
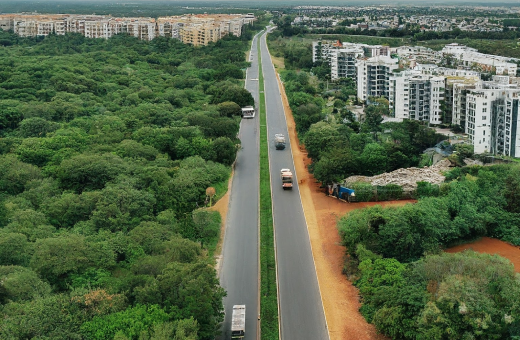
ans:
x=238 y=322
x=342 y=192
x=279 y=141
x=287 y=178
x=248 y=112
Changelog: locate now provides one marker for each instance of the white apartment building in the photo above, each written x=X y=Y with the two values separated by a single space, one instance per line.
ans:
x=323 y=50
x=343 y=62
x=487 y=62
x=505 y=122
x=478 y=120
x=373 y=76
x=417 y=96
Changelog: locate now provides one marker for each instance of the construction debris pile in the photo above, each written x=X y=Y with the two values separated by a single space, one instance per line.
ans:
x=406 y=178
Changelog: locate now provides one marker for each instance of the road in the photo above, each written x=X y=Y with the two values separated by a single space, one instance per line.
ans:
x=301 y=310
x=239 y=266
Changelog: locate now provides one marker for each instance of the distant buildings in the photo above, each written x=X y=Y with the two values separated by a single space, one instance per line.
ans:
x=487 y=62
x=191 y=29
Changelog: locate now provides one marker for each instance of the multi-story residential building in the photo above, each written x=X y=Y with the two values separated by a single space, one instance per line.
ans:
x=505 y=123
x=343 y=62
x=470 y=57
x=417 y=96
x=373 y=76
x=459 y=103
x=194 y=29
x=323 y=50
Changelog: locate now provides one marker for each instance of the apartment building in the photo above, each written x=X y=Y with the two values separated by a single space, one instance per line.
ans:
x=343 y=62
x=323 y=50
x=194 y=29
x=417 y=96
x=373 y=76
x=505 y=123
x=470 y=57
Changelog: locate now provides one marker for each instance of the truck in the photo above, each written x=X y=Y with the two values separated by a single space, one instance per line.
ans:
x=287 y=178
x=341 y=192
x=279 y=141
x=238 y=322
x=248 y=112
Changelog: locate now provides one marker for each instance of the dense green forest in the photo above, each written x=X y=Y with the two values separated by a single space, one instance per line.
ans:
x=409 y=289
x=107 y=148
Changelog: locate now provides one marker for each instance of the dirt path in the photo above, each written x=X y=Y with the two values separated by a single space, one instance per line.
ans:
x=492 y=246
x=222 y=207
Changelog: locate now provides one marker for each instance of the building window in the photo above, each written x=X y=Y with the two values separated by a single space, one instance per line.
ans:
x=484 y=110
x=484 y=117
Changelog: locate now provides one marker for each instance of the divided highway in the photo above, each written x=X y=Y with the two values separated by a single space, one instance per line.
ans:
x=239 y=266
x=301 y=310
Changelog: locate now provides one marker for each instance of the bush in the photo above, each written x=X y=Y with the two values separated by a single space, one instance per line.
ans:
x=365 y=192
x=389 y=192
x=426 y=189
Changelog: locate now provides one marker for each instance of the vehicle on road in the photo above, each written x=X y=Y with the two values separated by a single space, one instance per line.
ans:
x=287 y=178
x=341 y=192
x=248 y=112
x=238 y=322
x=279 y=141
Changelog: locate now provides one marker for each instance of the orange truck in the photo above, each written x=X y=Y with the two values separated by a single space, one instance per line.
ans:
x=287 y=178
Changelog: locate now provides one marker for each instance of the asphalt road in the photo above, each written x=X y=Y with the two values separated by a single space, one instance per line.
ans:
x=301 y=310
x=239 y=264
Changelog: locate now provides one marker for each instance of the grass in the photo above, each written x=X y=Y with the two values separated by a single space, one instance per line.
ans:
x=215 y=220
x=268 y=288
x=221 y=189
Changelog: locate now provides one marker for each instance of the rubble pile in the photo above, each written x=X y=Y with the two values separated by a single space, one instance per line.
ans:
x=406 y=178
x=469 y=161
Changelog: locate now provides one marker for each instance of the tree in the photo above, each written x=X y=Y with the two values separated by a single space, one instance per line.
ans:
x=320 y=138
x=121 y=207
x=374 y=115
x=89 y=172
x=207 y=225
x=21 y=284
x=14 y=249
x=228 y=92
x=131 y=322
x=36 y=127
x=193 y=289
x=229 y=109
x=374 y=159
x=225 y=150
x=55 y=259
x=14 y=175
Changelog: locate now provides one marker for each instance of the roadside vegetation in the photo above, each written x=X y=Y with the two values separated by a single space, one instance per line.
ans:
x=410 y=289
x=107 y=148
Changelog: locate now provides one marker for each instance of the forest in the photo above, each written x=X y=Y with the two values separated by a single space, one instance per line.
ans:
x=410 y=289
x=107 y=148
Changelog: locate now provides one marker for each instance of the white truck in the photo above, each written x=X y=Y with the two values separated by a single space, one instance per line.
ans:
x=287 y=178
x=248 y=112
x=238 y=322
x=279 y=141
